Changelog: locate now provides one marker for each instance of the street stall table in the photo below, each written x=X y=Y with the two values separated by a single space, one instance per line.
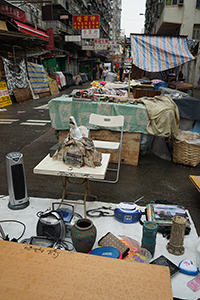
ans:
x=36 y=268
x=48 y=166
x=135 y=122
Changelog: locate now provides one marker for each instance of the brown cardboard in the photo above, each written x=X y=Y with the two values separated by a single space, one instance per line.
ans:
x=53 y=86
x=22 y=94
x=32 y=272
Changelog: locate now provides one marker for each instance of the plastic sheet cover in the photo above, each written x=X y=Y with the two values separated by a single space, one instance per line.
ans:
x=158 y=53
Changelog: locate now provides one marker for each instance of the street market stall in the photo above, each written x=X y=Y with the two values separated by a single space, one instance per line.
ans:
x=136 y=120
x=153 y=54
x=84 y=269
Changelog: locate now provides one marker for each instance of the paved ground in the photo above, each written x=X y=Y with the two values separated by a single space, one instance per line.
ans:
x=153 y=178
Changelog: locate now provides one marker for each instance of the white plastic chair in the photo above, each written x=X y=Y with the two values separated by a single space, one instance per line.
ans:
x=84 y=131
x=108 y=122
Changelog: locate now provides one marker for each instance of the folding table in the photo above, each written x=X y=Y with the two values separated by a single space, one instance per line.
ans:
x=48 y=166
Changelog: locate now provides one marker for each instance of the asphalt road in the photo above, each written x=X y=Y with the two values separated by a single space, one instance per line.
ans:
x=153 y=178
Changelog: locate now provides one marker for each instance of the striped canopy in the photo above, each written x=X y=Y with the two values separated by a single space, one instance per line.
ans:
x=158 y=53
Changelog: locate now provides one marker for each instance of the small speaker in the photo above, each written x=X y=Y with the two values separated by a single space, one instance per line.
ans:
x=17 y=188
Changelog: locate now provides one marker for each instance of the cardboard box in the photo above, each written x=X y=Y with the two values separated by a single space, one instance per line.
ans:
x=32 y=272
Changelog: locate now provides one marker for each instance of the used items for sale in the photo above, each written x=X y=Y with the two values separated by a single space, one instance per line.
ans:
x=175 y=244
x=111 y=240
x=136 y=253
x=163 y=214
x=127 y=213
x=149 y=236
x=186 y=267
x=77 y=150
x=106 y=252
x=83 y=235
x=164 y=261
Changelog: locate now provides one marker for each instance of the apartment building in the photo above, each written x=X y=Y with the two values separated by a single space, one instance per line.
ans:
x=177 y=17
x=55 y=19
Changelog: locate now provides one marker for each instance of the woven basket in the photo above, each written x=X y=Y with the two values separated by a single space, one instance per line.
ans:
x=185 y=151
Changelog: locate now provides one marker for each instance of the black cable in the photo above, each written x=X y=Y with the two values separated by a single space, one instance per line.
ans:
x=65 y=244
x=98 y=212
x=15 y=221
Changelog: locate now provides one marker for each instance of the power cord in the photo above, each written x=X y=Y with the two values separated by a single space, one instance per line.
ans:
x=6 y=237
x=60 y=244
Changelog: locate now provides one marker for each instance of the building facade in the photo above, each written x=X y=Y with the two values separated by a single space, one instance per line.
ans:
x=55 y=19
x=173 y=18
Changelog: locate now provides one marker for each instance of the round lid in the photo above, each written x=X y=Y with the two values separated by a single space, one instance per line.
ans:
x=106 y=251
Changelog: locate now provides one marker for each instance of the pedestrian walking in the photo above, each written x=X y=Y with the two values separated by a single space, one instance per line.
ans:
x=104 y=73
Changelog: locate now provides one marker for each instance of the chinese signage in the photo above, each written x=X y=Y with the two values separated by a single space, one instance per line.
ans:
x=90 y=33
x=87 y=45
x=12 y=11
x=86 y=22
x=104 y=44
x=101 y=44
x=4 y=95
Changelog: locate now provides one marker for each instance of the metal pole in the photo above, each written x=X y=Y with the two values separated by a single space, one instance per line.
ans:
x=129 y=85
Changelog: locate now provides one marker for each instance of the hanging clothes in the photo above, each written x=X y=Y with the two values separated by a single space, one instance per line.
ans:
x=16 y=75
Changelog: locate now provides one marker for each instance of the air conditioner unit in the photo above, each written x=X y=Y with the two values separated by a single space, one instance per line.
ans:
x=180 y=2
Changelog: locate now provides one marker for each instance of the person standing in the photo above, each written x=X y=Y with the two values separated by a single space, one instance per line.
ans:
x=104 y=73
x=121 y=70
x=100 y=72
x=94 y=73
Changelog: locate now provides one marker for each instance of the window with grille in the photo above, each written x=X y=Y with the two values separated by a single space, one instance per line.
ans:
x=196 y=32
x=172 y=2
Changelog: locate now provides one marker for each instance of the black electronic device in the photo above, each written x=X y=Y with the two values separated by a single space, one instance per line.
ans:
x=51 y=225
x=65 y=213
x=17 y=188
x=40 y=241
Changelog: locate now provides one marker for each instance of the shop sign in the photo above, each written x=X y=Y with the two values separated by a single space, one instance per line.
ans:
x=87 y=45
x=86 y=22
x=101 y=41
x=103 y=52
x=72 y=38
x=90 y=33
x=12 y=11
x=4 y=95
x=64 y=17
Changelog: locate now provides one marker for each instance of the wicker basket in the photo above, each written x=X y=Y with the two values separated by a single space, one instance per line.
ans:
x=186 y=148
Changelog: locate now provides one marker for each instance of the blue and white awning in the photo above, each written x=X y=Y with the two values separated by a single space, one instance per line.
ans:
x=158 y=53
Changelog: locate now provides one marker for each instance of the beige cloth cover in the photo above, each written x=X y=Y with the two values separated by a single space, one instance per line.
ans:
x=163 y=115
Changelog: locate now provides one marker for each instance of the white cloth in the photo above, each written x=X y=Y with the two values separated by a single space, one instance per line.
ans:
x=62 y=78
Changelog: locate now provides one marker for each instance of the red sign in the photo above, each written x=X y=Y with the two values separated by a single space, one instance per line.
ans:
x=12 y=11
x=86 y=22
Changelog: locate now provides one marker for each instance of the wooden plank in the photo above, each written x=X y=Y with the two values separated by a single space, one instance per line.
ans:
x=53 y=86
x=196 y=181
x=22 y=95
x=130 y=144
x=44 y=94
